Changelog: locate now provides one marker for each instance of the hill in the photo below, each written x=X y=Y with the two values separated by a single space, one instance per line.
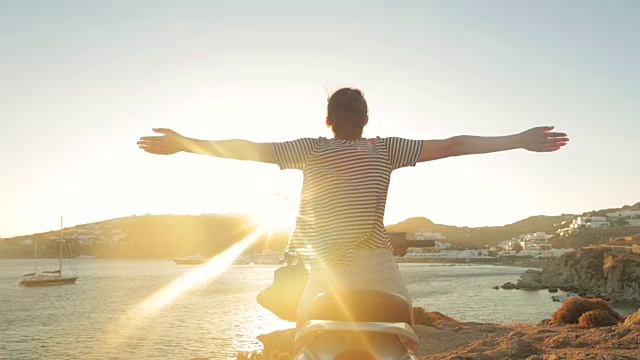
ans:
x=165 y=236
x=149 y=236
x=480 y=236
x=603 y=212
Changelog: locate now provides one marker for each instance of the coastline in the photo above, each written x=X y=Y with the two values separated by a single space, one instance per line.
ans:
x=525 y=263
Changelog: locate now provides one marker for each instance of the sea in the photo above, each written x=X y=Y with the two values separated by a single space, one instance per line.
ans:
x=155 y=309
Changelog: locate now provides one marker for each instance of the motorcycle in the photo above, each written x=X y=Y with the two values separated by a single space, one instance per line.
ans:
x=357 y=324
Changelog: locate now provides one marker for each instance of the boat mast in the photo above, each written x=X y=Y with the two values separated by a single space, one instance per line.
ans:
x=35 y=257
x=60 y=264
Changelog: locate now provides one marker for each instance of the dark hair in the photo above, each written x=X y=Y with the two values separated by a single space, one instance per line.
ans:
x=347 y=110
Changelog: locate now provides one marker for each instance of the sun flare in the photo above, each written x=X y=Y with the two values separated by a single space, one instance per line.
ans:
x=199 y=276
x=275 y=213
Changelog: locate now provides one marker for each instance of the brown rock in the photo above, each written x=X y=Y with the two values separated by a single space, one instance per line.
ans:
x=633 y=319
x=595 y=271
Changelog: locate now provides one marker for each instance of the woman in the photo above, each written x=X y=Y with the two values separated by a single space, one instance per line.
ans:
x=339 y=228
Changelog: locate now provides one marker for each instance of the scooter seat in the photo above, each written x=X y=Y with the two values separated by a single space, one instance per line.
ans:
x=360 y=305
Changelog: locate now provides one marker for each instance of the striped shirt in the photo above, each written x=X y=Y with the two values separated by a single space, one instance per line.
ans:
x=344 y=192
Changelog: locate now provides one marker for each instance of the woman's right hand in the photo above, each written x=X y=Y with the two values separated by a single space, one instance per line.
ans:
x=169 y=143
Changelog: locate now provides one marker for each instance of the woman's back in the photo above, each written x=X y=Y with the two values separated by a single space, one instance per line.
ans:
x=344 y=192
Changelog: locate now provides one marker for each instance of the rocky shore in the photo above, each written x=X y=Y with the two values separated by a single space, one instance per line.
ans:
x=589 y=272
x=445 y=338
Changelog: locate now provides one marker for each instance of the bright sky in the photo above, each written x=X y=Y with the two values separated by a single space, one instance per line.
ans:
x=83 y=80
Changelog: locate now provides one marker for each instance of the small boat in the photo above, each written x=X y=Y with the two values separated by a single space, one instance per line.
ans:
x=269 y=258
x=191 y=260
x=47 y=278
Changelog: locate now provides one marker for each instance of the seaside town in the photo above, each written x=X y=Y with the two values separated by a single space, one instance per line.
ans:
x=427 y=245
x=536 y=246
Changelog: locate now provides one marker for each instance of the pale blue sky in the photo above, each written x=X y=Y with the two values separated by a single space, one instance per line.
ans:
x=82 y=80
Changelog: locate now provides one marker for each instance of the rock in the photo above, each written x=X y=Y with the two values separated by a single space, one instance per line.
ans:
x=553 y=290
x=521 y=348
x=589 y=272
x=529 y=285
x=531 y=276
x=597 y=318
x=509 y=285
x=572 y=309
x=281 y=341
x=633 y=319
x=429 y=318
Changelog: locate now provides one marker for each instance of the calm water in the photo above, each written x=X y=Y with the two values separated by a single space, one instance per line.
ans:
x=101 y=316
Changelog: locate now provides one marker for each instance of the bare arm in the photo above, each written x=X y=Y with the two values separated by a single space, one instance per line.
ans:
x=171 y=142
x=539 y=139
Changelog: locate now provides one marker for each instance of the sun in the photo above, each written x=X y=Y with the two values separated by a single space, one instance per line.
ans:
x=275 y=213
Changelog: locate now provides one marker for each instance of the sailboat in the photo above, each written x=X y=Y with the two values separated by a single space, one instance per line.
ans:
x=46 y=278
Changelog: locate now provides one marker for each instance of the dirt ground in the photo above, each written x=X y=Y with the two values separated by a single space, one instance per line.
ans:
x=481 y=341
x=448 y=340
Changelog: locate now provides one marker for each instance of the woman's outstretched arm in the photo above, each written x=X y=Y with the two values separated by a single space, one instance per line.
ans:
x=170 y=142
x=539 y=139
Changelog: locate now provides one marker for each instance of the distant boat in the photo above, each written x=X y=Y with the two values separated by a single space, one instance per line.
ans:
x=51 y=277
x=268 y=258
x=244 y=259
x=83 y=256
x=191 y=260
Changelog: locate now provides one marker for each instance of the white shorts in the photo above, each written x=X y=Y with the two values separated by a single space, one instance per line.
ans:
x=371 y=269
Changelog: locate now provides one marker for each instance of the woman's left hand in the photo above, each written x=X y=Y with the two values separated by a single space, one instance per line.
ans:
x=542 y=139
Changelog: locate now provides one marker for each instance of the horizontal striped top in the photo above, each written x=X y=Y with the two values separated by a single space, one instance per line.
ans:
x=344 y=192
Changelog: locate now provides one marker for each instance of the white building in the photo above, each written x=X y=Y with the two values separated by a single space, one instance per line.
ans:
x=589 y=222
x=509 y=245
x=539 y=236
x=443 y=245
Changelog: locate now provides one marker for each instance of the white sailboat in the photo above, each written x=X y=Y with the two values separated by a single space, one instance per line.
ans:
x=46 y=278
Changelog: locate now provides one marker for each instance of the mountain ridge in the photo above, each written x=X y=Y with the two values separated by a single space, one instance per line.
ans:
x=178 y=235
